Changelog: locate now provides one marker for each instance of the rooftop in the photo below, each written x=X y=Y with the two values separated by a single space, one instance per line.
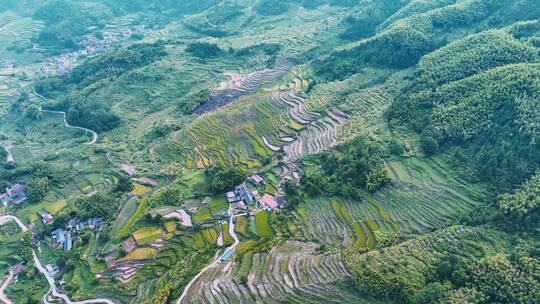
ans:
x=268 y=201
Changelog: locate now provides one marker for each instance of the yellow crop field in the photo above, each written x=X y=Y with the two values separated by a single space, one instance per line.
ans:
x=147 y=235
x=56 y=206
x=139 y=189
x=170 y=226
x=210 y=235
x=141 y=254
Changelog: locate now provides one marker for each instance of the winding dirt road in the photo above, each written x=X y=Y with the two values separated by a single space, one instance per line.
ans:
x=52 y=290
x=5 y=284
x=217 y=261
x=86 y=130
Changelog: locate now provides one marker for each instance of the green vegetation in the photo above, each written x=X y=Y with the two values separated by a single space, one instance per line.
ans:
x=521 y=207
x=223 y=178
x=403 y=135
x=357 y=164
x=262 y=222
x=203 y=50
x=272 y=7
x=85 y=79
x=462 y=115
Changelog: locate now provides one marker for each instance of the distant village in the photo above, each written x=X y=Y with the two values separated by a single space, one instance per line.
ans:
x=65 y=63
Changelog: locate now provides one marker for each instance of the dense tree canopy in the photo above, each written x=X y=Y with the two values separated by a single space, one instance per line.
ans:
x=223 y=177
x=485 y=117
x=355 y=165
x=523 y=206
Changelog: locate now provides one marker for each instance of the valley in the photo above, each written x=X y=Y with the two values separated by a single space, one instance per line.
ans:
x=264 y=151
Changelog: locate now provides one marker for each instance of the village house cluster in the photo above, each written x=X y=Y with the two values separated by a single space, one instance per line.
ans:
x=14 y=195
x=66 y=237
x=65 y=63
x=244 y=196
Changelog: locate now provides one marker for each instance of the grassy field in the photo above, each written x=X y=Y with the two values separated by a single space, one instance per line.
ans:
x=218 y=205
x=262 y=222
x=126 y=213
x=141 y=209
x=204 y=214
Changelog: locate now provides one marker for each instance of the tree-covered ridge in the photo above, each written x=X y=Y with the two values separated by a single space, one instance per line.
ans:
x=73 y=90
x=66 y=21
x=470 y=55
x=481 y=116
x=403 y=42
x=523 y=205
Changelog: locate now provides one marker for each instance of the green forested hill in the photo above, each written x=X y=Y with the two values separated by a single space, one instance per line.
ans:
x=403 y=134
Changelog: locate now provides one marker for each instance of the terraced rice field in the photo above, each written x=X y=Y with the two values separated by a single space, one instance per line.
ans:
x=424 y=195
x=141 y=254
x=147 y=235
x=419 y=255
x=257 y=126
x=242 y=85
x=289 y=273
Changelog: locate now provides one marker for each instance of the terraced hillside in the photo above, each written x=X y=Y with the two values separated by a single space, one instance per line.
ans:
x=353 y=123
x=289 y=273
x=258 y=125
x=424 y=196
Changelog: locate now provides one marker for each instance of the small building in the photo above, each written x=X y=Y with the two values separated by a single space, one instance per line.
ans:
x=16 y=268
x=52 y=269
x=268 y=202
x=95 y=223
x=58 y=235
x=240 y=205
x=282 y=202
x=46 y=218
x=244 y=193
x=14 y=195
x=72 y=224
x=81 y=225
x=68 y=241
x=129 y=245
x=228 y=253
x=232 y=197
x=257 y=180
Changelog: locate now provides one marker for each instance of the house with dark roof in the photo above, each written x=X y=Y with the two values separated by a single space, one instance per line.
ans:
x=257 y=180
x=52 y=269
x=282 y=202
x=58 y=235
x=244 y=193
x=68 y=241
x=64 y=237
